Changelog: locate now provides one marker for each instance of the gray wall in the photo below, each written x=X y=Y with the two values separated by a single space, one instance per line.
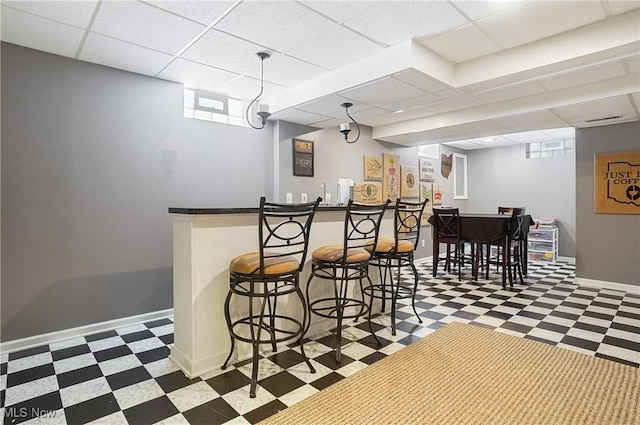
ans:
x=546 y=186
x=608 y=245
x=92 y=157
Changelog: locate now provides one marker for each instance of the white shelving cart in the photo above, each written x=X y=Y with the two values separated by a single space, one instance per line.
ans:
x=543 y=243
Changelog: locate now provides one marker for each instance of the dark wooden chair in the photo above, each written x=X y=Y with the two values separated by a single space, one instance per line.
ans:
x=342 y=264
x=446 y=230
x=510 y=247
x=393 y=253
x=263 y=277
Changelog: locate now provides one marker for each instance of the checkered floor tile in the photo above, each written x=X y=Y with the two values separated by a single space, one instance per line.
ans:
x=124 y=376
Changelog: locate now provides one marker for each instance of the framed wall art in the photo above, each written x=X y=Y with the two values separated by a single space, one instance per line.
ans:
x=409 y=182
x=617 y=183
x=302 y=158
x=372 y=168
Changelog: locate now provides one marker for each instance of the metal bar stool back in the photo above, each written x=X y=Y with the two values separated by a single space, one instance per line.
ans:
x=397 y=252
x=342 y=264
x=263 y=277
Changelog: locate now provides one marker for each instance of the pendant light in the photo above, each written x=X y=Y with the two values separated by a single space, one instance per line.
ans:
x=345 y=128
x=263 y=110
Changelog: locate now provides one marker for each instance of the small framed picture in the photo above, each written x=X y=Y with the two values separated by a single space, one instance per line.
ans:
x=302 y=158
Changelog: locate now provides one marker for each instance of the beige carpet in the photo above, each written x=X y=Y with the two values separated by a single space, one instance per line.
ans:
x=465 y=374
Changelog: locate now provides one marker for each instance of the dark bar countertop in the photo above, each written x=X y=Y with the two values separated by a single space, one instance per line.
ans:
x=240 y=210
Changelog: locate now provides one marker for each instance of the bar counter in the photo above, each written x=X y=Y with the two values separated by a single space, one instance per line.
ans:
x=205 y=240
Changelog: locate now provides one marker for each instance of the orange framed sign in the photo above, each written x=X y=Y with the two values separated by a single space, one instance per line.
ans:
x=617 y=183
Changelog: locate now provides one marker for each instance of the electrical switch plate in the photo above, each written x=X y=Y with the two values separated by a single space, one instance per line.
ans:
x=289 y=198
x=303 y=197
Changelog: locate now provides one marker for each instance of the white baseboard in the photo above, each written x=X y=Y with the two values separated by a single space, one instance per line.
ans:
x=592 y=283
x=48 y=338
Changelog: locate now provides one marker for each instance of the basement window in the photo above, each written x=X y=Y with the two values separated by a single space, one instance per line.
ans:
x=215 y=107
x=549 y=148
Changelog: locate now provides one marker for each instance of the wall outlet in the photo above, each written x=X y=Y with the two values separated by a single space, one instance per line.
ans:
x=289 y=198
x=303 y=197
x=422 y=242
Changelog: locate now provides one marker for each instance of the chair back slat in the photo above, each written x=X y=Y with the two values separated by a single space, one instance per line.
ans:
x=362 y=225
x=284 y=230
x=518 y=217
x=447 y=223
x=407 y=219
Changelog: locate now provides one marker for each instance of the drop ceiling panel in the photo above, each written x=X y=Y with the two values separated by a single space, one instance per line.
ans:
x=461 y=44
x=463 y=144
x=338 y=47
x=248 y=88
x=394 y=22
x=621 y=6
x=340 y=11
x=542 y=116
x=52 y=37
x=586 y=76
x=110 y=52
x=422 y=81
x=227 y=52
x=199 y=76
x=204 y=12
x=481 y=9
x=579 y=113
x=382 y=92
x=536 y=20
x=287 y=71
x=633 y=64
x=146 y=26
x=426 y=100
x=510 y=92
x=329 y=106
x=76 y=13
x=560 y=133
x=297 y=116
x=279 y=25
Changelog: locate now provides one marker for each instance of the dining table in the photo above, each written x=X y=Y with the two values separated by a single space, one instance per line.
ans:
x=481 y=228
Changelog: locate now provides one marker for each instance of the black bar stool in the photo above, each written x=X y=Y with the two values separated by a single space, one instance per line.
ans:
x=345 y=263
x=267 y=275
x=394 y=253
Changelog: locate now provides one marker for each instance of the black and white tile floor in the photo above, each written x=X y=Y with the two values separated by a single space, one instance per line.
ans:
x=124 y=376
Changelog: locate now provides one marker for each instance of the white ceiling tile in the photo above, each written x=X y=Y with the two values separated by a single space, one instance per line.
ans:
x=278 y=25
x=621 y=6
x=115 y=53
x=497 y=142
x=421 y=81
x=76 y=13
x=287 y=71
x=457 y=103
x=146 y=26
x=425 y=100
x=340 y=10
x=527 y=137
x=329 y=106
x=461 y=44
x=636 y=99
x=586 y=76
x=382 y=92
x=297 y=116
x=204 y=12
x=535 y=20
x=247 y=88
x=393 y=22
x=196 y=75
x=475 y=9
x=510 y=92
x=227 y=52
x=542 y=116
x=633 y=64
x=464 y=145
x=581 y=112
x=336 y=48
x=52 y=37
x=560 y=133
